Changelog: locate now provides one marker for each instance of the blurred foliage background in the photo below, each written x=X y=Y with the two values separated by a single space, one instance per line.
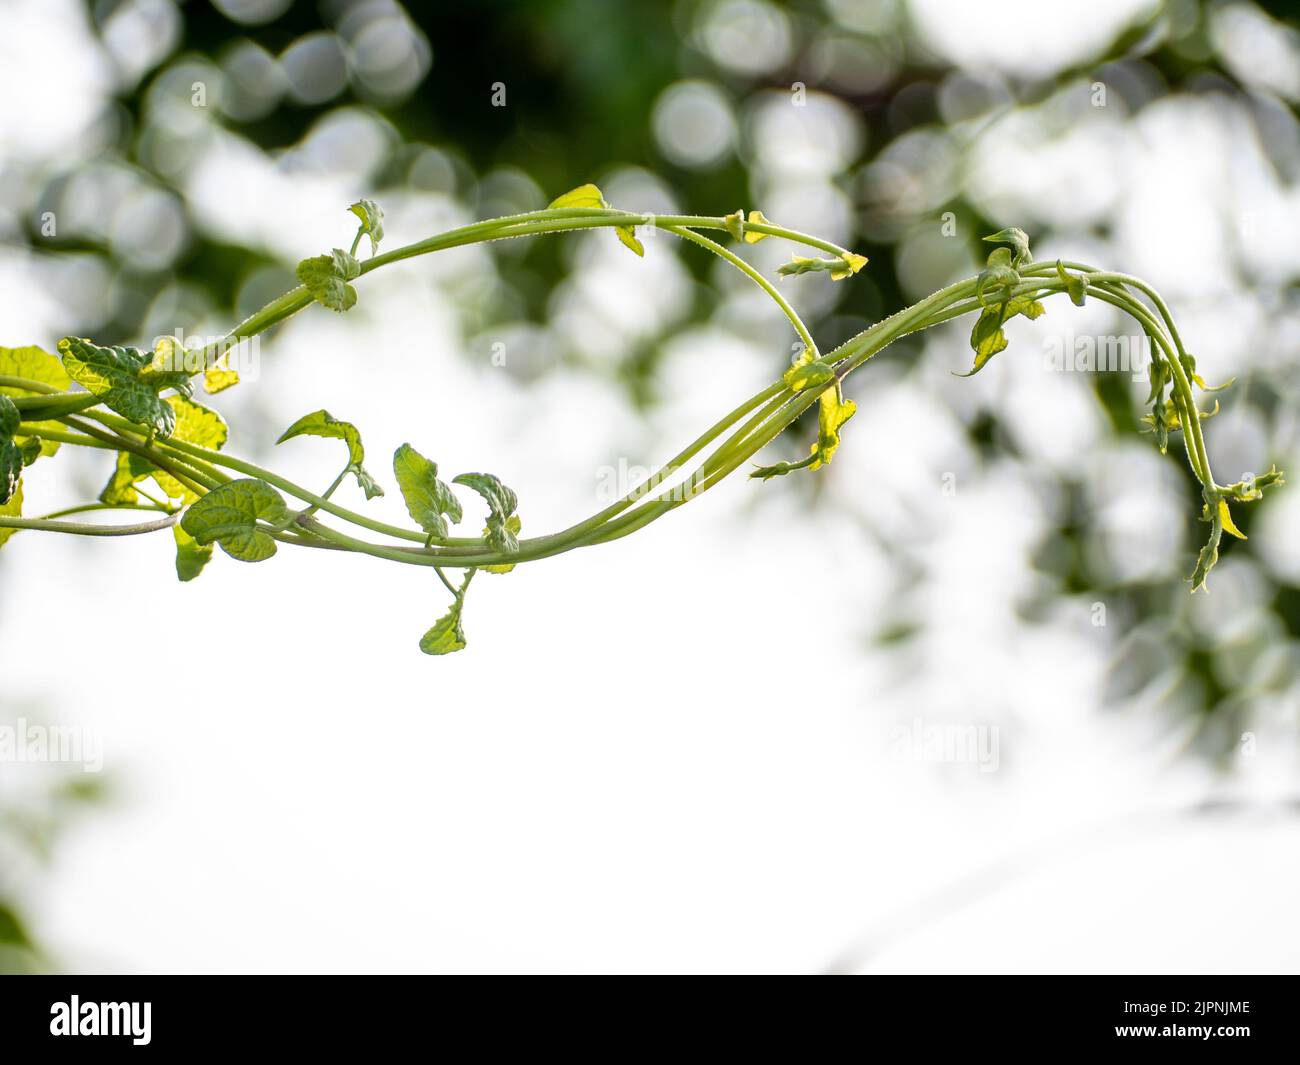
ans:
x=868 y=122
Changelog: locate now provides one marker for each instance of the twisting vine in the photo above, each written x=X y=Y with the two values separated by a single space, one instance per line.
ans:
x=139 y=405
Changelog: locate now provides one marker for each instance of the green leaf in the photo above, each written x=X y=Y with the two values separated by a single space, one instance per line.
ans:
x=987 y=338
x=120 y=490
x=1225 y=519
x=429 y=501
x=1075 y=285
x=752 y=237
x=1019 y=241
x=831 y=416
x=807 y=372
x=1207 y=559
x=372 y=221
x=13 y=508
x=127 y=382
x=195 y=424
x=231 y=515
x=513 y=528
x=35 y=364
x=1026 y=305
x=219 y=376
x=586 y=196
x=998 y=273
x=322 y=423
x=191 y=556
x=839 y=268
x=501 y=502
x=589 y=197
x=446 y=636
x=627 y=236
x=327 y=277
x=11 y=452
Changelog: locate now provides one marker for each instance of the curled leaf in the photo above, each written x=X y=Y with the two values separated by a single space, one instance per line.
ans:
x=1229 y=526
x=191 y=556
x=1075 y=286
x=839 y=268
x=807 y=372
x=446 y=636
x=753 y=236
x=429 y=501
x=590 y=197
x=1019 y=241
x=987 y=338
x=502 y=503
x=326 y=278
x=219 y=376
x=998 y=274
x=322 y=423
x=372 y=221
x=513 y=527
x=831 y=416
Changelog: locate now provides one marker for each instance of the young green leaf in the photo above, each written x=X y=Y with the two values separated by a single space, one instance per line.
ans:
x=126 y=380
x=839 y=268
x=501 y=502
x=429 y=501
x=34 y=364
x=191 y=556
x=999 y=274
x=219 y=376
x=513 y=528
x=752 y=236
x=446 y=636
x=1225 y=518
x=1076 y=286
x=1026 y=305
x=327 y=277
x=987 y=338
x=831 y=416
x=584 y=196
x=322 y=423
x=591 y=198
x=1208 y=558
x=807 y=372
x=233 y=514
x=1019 y=241
x=195 y=424
x=372 y=221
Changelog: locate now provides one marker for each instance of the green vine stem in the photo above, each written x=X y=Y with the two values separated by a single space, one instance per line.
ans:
x=138 y=405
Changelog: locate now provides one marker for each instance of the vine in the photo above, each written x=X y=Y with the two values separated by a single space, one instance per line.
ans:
x=140 y=406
